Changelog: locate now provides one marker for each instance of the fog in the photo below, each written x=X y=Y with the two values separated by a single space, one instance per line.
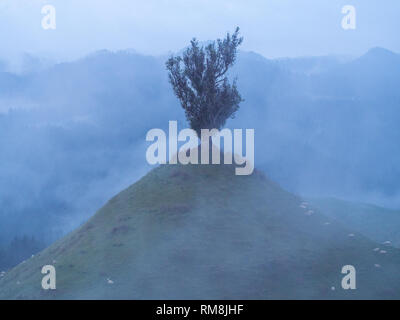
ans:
x=273 y=28
x=84 y=139
x=76 y=104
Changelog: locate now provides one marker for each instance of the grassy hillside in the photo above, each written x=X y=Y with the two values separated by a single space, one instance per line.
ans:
x=377 y=223
x=202 y=232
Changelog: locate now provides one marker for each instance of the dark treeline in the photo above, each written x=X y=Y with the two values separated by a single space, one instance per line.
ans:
x=19 y=249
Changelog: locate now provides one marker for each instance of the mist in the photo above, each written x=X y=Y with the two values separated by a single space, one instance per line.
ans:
x=80 y=136
x=274 y=28
x=76 y=102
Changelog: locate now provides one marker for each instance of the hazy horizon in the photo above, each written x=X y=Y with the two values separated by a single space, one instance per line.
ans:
x=273 y=29
x=19 y=63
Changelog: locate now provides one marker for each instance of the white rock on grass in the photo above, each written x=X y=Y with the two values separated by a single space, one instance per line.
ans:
x=351 y=234
x=387 y=242
x=377 y=265
x=376 y=249
x=109 y=281
x=382 y=251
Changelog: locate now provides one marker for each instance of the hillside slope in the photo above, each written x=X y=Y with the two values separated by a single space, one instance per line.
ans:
x=377 y=223
x=201 y=232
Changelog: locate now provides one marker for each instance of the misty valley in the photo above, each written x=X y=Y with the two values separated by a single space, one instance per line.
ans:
x=282 y=181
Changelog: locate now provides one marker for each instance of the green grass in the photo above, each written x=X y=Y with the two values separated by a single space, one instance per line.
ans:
x=199 y=231
x=379 y=224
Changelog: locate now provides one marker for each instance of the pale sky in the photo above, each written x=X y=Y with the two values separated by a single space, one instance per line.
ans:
x=273 y=28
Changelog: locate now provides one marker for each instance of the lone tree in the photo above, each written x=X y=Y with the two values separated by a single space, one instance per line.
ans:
x=200 y=82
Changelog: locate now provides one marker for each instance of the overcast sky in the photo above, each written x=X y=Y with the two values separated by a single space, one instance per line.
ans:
x=273 y=28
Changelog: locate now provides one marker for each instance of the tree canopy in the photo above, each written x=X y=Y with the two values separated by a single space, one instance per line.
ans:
x=199 y=80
